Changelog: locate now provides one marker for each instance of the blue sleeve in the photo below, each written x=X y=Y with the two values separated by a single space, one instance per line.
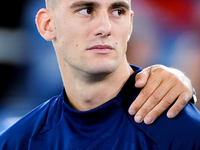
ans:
x=17 y=136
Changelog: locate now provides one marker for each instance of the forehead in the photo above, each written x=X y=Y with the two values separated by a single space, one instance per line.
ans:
x=101 y=2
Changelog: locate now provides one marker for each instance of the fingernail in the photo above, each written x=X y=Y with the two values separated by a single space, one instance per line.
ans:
x=140 y=80
x=132 y=112
x=148 y=120
x=140 y=83
x=170 y=115
x=138 y=119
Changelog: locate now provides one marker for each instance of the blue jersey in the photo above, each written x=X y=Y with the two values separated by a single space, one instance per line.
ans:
x=54 y=125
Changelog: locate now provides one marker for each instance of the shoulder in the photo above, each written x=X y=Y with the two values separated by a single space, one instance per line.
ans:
x=182 y=132
x=18 y=135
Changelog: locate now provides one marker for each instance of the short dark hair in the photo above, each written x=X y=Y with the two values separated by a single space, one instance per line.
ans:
x=50 y=3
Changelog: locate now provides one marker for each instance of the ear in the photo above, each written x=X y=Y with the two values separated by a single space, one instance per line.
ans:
x=45 y=24
x=131 y=25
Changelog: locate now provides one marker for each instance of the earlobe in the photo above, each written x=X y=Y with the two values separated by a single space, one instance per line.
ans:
x=44 y=24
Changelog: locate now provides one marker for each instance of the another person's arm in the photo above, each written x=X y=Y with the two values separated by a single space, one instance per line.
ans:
x=162 y=86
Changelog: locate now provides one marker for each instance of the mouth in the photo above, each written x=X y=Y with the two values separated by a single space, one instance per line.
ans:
x=101 y=48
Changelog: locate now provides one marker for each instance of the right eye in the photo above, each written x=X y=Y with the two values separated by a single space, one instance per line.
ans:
x=86 y=11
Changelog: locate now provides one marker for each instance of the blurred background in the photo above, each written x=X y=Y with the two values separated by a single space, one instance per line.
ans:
x=164 y=32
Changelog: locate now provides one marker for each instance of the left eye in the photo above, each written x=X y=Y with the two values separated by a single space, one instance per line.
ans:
x=118 y=12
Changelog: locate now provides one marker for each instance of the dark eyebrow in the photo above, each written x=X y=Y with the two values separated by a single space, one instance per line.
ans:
x=84 y=3
x=120 y=4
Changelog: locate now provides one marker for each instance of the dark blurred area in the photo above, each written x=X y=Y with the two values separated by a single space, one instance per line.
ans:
x=11 y=13
x=11 y=16
x=164 y=32
x=29 y=73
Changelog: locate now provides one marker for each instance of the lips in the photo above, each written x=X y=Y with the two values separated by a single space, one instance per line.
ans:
x=101 y=47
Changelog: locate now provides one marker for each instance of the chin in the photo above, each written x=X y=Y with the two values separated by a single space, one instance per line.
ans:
x=103 y=69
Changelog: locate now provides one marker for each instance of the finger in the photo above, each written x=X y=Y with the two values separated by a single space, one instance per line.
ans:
x=140 y=100
x=152 y=101
x=142 y=77
x=182 y=100
x=165 y=103
x=157 y=96
x=145 y=93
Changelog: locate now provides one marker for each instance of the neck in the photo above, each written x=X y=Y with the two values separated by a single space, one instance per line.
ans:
x=85 y=95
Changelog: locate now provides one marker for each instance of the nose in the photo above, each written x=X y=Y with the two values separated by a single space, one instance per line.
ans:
x=103 y=25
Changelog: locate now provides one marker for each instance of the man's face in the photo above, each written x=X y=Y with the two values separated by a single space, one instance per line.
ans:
x=91 y=35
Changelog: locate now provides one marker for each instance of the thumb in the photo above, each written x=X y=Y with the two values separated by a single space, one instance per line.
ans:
x=142 y=77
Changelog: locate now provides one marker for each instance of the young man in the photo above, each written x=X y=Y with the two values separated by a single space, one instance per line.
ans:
x=90 y=40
